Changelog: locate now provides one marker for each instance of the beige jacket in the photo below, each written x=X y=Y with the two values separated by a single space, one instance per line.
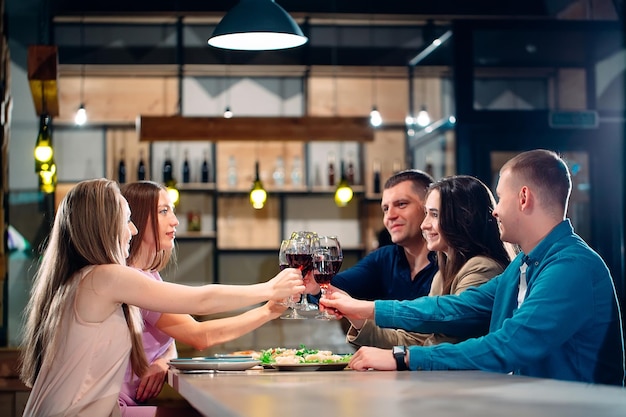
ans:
x=476 y=271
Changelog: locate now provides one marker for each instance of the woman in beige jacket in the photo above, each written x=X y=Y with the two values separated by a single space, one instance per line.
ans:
x=460 y=228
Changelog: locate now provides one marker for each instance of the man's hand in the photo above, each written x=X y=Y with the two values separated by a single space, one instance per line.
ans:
x=342 y=305
x=373 y=358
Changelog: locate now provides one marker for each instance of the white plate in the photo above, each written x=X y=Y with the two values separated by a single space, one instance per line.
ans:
x=216 y=364
x=336 y=366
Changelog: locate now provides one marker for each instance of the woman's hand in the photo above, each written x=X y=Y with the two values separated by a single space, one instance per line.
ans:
x=152 y=381
x=288 y=282
x=342 y=305
x=373 y=358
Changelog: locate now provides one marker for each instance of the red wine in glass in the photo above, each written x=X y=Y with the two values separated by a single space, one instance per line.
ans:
x=323 y=278
x=283 y=266
x=302 y=261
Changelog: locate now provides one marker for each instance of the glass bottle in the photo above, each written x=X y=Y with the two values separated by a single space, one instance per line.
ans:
x=331 y=169
x=279 y=172
x=296 y=172
x=141 y=168
x=350 y=171
x=186 y=170
x=121 y=169
x=232 y=171
x=376 y=185
x=205 y=168
x=167 y=168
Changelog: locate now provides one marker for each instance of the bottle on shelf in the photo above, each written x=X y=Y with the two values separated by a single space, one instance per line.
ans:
x=205 y=168
x=331 y=169
x=350 y=170
x=296 y=172
x=317 y=179
x=279 y=172
x=141 y=167
x=167 y=168
x=121 y=169
x=232 y=171
x=186 y=169
x=376 y=184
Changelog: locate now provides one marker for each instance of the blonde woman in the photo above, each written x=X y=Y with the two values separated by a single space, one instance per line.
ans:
x=81 y=327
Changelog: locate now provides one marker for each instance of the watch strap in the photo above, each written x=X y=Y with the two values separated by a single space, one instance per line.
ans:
x=399 y=354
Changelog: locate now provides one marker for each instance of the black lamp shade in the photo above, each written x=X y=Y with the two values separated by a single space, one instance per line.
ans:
x=257 y=25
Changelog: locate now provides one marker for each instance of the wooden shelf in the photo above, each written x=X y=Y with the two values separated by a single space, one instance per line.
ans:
x=291 y=129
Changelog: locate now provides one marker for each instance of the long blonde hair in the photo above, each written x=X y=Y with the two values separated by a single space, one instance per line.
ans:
x=86 y=231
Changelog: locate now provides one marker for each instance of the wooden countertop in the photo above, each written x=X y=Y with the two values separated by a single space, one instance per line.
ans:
x=270 y=393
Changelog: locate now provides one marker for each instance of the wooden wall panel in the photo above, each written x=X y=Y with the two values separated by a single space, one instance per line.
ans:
x=124 y=141
x=571 y=89
x=355 y=97
x=388 y=150
x=118 y=99
x=246 y=153
x=242 y=227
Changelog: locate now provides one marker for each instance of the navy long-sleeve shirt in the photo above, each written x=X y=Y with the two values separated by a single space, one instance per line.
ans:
x=568 y=326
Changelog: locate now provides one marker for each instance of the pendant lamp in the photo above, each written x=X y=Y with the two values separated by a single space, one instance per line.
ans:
x=257 y=25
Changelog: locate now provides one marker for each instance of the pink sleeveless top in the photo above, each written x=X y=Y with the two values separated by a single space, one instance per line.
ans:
x=85 y=375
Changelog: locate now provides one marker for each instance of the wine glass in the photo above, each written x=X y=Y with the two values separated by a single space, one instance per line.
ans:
x=327 y=260
x=282 y=264
x=311 y=237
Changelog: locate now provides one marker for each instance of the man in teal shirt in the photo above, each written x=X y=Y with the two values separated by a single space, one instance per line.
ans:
x=552 y=313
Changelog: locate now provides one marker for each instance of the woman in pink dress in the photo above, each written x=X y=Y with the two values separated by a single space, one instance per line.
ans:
x=82 y=326
x=150 y=251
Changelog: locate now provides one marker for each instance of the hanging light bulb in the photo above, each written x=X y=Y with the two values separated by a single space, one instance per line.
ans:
x=228 y=113
x=375 y=118
x=423 y=118
x=43 y=147
x=172 y=191
x=81 y=115
x=258 y=195
x=48 y=178
x=343 y=193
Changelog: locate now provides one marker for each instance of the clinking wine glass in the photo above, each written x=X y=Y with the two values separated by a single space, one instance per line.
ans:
x=311 y=237
x=327 y=260
x=282 y=264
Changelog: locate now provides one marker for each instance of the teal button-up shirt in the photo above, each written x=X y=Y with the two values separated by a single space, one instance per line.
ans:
x=568 y=326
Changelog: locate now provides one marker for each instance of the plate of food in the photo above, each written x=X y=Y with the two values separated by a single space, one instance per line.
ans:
x=303 y=359
x=215 y=364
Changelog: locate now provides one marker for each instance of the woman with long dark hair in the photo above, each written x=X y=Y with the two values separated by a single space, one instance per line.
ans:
x=458 y=226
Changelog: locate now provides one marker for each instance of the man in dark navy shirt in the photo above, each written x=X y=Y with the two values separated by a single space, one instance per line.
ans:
x=405 y=269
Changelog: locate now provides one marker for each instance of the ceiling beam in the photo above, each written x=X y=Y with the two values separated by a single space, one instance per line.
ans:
x=305 y=129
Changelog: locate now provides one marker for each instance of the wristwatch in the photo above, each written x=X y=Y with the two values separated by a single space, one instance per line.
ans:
x=399 y=353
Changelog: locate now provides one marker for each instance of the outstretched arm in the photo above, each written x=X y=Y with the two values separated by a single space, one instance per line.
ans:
x=203 y=334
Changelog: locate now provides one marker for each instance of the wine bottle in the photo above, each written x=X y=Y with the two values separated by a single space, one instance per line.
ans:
x=350 y=171
x=331 y=170
x=205 y=169
x=186 y=170
x=376 y=184
x=167 y=168
x=141 y=168
x=121 y=170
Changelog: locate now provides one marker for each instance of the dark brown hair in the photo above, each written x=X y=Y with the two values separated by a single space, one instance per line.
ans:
x=466 y=223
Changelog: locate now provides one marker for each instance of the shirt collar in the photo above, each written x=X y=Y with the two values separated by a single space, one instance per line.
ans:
x=560 y=231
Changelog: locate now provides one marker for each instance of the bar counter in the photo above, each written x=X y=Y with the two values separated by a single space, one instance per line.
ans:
x=271 y=393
